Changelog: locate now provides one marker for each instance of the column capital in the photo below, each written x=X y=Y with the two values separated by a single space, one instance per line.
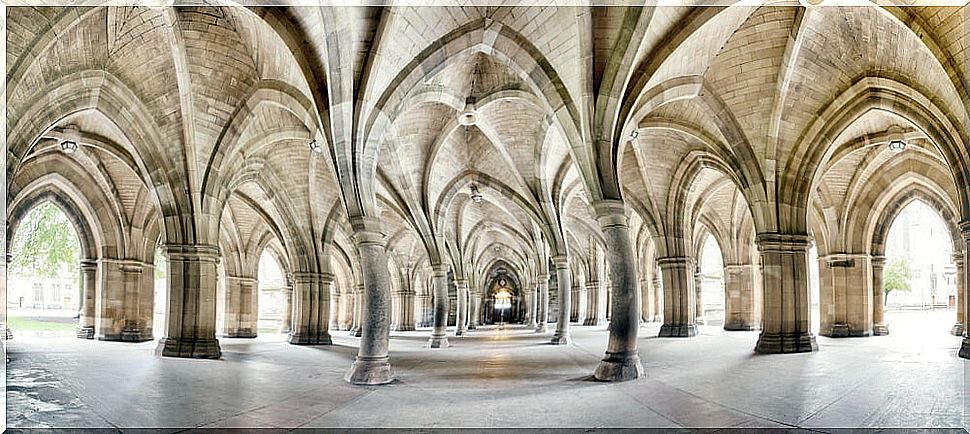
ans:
x=89 y=265
x=542 y=278
x=879 y=261
x=461 y=283
x=611 y=213
x=560 y=261
x=965 y=229
x=676 y=261
x=783 y=243
x=957 y=258
x=246 y=279
x=192 y=252
x=368 y=231
x=439 y=270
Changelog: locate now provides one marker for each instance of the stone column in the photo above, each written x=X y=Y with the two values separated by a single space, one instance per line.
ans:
x=698 y=284
x=530 y=308
x=191 y=314
x=240 y=302
x=476 y=314
x=957 y=329
x=851 y=295
x=334 y=309
x=89 y=280
x=286 y=325
x=356 y=330
x=372 y=365
x=879 y=327
x=965 y=345
x=622 y=362
x=596 y=299
x=4 y=260
x=439 y=338
x=742 y=311
x=645 y=300
x=658 y=302
x=405 y=311
x=680 y=307
x=582 y=300
x=542 y=311
x=124 y=303
x=311 y=309
x=575 y=314
x=461 y=296
x=787 y=327
x=565 y=284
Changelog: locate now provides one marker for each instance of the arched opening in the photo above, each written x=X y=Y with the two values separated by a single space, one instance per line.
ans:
x=44 y=281
x=272 y=294
x=161 y=293
x=919 y=277
x=711 y=280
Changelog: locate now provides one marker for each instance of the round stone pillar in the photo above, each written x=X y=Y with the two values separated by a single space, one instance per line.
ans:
x=190 y=329
x=787 y=325
x=542 y=311
x=595 y=304
x=476 y=313
x=879 y=327
x=372 y=365
x=680 y=305
x=356 y=329
x=89 y=282
x=565 y=286
x=622 y=362
x=958 y=260
x=461 y=296
x=439 y=337
x=530 y=308
x=657 y=293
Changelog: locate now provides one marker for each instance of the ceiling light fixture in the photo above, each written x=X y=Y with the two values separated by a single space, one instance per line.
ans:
x=315 y=147
x=897 y=145
x=476 y=195
x=634 y=134
x=68 y=146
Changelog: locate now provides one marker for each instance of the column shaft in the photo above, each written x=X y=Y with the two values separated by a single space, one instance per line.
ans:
x=191 y=314
x=879 y=327
x=461 y=288
x=311 y=309
x=786 y=307
x=957 y=329
x=742 y=310
x=372 y=365
x=89 y=280
x=565 y=284
x=622 y=362
x=439 y=338
x=241 y=308
x=542 y=311
x=286 y=325
x=698 y=296
x=680 y=306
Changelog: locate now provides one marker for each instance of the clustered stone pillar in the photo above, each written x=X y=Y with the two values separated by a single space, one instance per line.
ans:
x=372 y=365
x=405 y=311
x=530 y=307
x=461 y=294
x=476 y=309
x=311 y=309
x=965 y=345
x=334 y=308
x=957 y=329
x=125 y=300
x=742 y=286
x=578 y=310
x=356 y=329
x=596 y=304
x=89 y=281
x=241 y=308
x=698 y=296
x=542 y=312
x=786 y=307
x=191 y=315
x=622 y=362
x=564 y=282
x=680 y=307
x=879 y=327
x=286 y=325
x=848 y=280
x=439 y=338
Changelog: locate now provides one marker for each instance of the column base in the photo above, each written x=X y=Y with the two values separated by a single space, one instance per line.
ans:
x=298 y=339
x=560 y=339
x=459 y=332
x=593 y=322
x=285 y=331
x=403 y=328
x=189 y=348
x=126 y=336
x=778 y=343
x=438 y=342
x=740 y=327
x=965 y=348
x=86 y=332
x=541 y=328
x=678 y=330
x=472 y=327
x=243 y=334
x=370 y=371
x=617 y=367
x=957 y=329
x=837 y=331
x=356 y=332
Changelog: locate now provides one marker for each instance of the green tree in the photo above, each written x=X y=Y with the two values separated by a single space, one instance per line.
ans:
x=896 y=277
x=45 y=244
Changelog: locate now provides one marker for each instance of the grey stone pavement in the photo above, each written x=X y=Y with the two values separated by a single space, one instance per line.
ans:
x=499 y=378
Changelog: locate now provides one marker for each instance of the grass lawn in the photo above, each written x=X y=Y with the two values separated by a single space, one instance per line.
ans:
x=36 y=324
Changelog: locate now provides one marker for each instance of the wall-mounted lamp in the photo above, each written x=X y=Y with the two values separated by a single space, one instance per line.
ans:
x=315 y=147
x=476 y=195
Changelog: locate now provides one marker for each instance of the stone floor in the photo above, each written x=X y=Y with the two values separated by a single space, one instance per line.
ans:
x=499 y=378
